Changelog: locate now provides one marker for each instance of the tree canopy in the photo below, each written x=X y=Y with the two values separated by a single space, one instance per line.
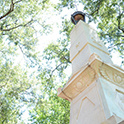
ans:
x=31 y=83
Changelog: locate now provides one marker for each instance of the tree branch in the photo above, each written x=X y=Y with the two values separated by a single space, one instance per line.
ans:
x=119 y=21
x=11 y=9
x=21 y=25
x=22 y=52
x=55 y=69
x=118 y=44
x=1 y=86
x=17 y=1
x=97 y=10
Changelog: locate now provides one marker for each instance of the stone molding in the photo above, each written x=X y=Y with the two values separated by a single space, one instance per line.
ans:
x=109 y=72
x=88 y=74
x=77 y=83
x=112 y=75
x=84 y=47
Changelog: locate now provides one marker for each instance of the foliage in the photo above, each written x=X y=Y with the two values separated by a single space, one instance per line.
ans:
x=13 y=85
x=18 y=21
x=50 y=109
x=109 y=16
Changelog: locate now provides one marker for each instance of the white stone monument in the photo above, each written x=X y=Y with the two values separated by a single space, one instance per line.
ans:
x=96 y=87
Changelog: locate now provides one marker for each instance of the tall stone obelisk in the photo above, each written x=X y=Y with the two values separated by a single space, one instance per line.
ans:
x=96 y=87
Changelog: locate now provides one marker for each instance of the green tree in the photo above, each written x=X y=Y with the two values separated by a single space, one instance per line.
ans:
x=49 y=108
x=18 y=22
x=14 y=84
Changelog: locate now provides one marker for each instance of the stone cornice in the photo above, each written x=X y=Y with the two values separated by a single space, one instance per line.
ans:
x=77 y=83
x=94 y=69
x=85 y=46
x=112 y=75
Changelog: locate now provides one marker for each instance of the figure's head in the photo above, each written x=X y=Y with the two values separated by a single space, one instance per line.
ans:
x=76 y=16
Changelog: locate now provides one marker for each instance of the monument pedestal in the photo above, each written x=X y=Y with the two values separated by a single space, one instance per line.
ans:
x=96 y=87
